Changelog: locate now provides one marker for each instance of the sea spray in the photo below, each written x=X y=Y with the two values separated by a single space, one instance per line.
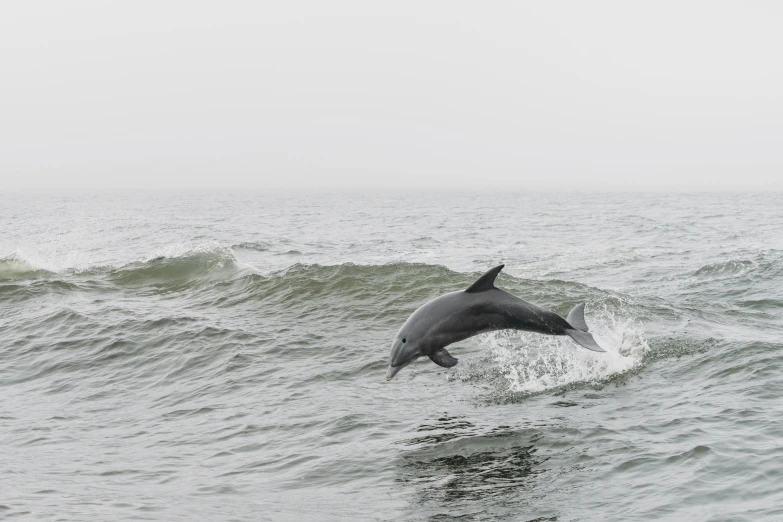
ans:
x=530 y=363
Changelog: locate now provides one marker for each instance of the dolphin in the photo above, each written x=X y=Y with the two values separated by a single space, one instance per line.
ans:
x=456 y=316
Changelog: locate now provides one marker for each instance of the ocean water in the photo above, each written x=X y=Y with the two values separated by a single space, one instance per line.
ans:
x=222 y=357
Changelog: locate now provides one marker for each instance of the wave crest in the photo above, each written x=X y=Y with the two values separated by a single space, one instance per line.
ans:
x=210 y=262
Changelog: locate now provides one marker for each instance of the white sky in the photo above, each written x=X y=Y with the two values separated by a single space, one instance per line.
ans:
x=452 y=95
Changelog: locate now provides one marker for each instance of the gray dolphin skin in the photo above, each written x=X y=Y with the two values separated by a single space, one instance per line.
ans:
x=456 y=316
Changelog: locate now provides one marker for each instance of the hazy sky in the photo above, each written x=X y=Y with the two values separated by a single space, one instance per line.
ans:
x=461 y=95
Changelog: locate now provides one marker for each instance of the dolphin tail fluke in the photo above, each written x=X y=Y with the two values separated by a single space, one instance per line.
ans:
x=584 y=339
x=576 y=318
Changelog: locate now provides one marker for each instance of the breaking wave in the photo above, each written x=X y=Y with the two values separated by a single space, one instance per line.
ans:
x=13 y=266
x=212 y=263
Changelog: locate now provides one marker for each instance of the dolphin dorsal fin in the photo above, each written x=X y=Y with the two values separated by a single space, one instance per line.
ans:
x=485 y=282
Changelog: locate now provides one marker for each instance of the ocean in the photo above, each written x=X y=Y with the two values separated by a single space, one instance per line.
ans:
x=221 y=356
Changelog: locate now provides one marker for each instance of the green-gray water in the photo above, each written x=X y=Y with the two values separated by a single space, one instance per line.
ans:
x=222 y=357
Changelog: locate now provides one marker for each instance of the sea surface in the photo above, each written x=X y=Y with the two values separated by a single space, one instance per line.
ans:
x=221 y=356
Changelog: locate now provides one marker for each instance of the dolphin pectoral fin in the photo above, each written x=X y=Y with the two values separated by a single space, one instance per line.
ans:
x=443 y=358
x=585 y=340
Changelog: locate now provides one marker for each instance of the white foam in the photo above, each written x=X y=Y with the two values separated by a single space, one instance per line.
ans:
x=532 y=363
x=49 y=260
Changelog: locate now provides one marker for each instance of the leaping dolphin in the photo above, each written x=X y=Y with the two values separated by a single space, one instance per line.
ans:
x=481 y=308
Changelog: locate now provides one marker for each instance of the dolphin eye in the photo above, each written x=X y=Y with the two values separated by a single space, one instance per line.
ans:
x=403 y=340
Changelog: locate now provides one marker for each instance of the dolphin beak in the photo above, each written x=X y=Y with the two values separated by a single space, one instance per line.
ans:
x=392 y=371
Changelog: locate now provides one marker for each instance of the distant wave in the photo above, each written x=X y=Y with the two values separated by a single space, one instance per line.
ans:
x=764 y=265
x=732 y=266
x=762 y=304
x=258 y=246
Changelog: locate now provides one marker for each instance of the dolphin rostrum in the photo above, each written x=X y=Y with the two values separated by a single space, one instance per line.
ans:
x=456 y=316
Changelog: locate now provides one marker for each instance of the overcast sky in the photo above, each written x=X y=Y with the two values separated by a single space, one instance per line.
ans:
x=457 y=95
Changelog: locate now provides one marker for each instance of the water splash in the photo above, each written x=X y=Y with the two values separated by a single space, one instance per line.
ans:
x=529 y=363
